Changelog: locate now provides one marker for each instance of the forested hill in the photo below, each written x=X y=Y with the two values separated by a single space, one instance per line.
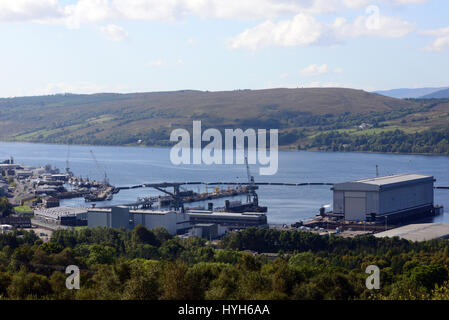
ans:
x=300 y=114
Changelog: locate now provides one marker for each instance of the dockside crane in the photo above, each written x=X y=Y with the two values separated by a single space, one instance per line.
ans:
x=106 y=180
x=251 y=188
x=67 y=167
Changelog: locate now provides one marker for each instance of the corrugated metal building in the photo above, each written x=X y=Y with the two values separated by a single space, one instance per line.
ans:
x=68 y=216
x=122 y=217
x=233 y=219
x=390 y=196
x=116 y=217
x=174 y=222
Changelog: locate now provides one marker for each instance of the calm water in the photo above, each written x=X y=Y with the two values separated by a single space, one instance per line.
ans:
x=135 y=165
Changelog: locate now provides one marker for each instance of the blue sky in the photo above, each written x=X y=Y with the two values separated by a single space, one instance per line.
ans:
x=88 y=46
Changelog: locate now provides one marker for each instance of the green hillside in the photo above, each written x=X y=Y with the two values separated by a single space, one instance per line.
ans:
x=302 y=115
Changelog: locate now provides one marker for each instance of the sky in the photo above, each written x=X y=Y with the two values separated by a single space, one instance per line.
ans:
x=91 y=46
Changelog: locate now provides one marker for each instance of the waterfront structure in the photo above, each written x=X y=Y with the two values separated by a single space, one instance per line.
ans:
x=50 y=202
x=9 y=166
x=382 y=198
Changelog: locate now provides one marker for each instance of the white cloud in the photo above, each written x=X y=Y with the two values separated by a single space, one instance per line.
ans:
x=383 y=27
x=29 y=10
x=441 y=40
x=364 y=3
x=317 y=70
x=284 y=75
x=87 y=11
x=78 y=87
x=317 y=84
x=338 y=70
x=95 y=11
x=155 y=63
x=113 y=32
x=163 y=63
x=304 y=30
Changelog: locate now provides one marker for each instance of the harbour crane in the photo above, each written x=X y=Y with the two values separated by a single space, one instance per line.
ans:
x=67 y=167
x=251 y=185
x=106 y=181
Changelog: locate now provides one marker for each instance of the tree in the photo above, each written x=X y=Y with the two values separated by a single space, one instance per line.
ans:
x=25 y=284
x=175 y=283
x=143 y=235
x=144 y=284
x=100 y=254
x=5 y=207
x=429 y=276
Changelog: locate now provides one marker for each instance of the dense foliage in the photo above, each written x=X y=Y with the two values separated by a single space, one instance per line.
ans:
x=429 y=141
x=143 y=264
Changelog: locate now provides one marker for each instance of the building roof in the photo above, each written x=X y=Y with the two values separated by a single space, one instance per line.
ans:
x=59 y=212
x=418 y=232
x=9 y=165
x=137 y=211
x=372 y=184
x=147 y=211
x=379 y=181
x=205 y=213
x=99 y=210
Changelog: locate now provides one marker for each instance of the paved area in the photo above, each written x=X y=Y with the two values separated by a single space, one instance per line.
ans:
x=42 y=233
x=418 y=232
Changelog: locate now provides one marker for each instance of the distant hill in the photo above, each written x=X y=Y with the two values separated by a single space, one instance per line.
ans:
x=442 y=94
x=409 y=93
x=149 y=118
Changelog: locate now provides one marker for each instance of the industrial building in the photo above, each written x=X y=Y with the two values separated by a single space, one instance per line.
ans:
x=122 y=217
x=205 y=230
x=67 y=216
x=390 y=197
x=9 y=166
x=17 y=222
x=231 y=219
x=174 y=222
x=116 y=217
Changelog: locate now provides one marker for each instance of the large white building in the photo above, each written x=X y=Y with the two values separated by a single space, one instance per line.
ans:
x=389 y=196
x=122 y=217
x=174 y=222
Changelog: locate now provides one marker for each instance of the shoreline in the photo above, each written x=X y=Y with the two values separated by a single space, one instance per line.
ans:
x=284 y=148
